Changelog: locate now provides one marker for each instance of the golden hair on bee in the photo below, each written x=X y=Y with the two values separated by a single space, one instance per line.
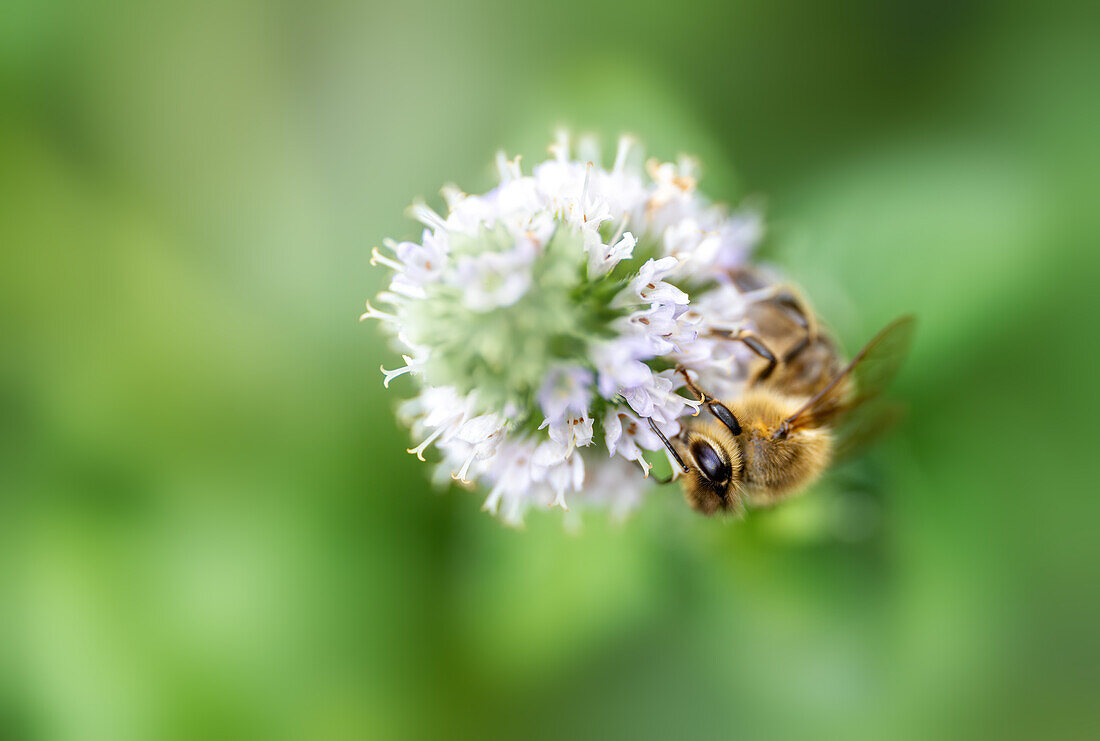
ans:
x=775 y=466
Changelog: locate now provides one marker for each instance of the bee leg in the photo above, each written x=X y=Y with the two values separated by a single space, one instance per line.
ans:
x=791 y=301
x=754 y=343
x=757 y=345
x=797 y=349
x=695 y=390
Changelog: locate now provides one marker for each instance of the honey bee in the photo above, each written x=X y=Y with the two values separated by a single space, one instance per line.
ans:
x=795 y=414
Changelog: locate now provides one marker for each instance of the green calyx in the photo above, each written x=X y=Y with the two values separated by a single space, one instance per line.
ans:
x=505 y=353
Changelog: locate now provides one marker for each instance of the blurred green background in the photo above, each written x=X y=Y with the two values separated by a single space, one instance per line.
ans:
x=208 y=524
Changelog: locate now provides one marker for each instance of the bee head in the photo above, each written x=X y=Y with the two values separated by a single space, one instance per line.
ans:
x=714 y=462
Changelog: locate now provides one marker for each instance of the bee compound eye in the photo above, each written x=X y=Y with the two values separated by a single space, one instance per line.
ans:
x=710 y=463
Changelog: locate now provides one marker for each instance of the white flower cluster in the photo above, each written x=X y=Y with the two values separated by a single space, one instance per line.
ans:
x=550 y=313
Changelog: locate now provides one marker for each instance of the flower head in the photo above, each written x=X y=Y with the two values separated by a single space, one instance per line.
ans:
x=543 y=321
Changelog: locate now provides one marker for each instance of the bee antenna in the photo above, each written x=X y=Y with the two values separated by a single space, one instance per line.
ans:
x=725 y=416
x=667 y=444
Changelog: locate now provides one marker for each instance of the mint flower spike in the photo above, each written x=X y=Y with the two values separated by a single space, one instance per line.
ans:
x=541 y=323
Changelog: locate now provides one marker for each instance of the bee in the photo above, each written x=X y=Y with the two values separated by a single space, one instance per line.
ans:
x=796 y=413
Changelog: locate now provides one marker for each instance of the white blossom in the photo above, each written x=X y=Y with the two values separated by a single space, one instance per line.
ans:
x=543 y=321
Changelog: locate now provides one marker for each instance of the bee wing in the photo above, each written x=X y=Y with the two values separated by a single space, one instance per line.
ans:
x=872 y=370
x=864 y=426
x=878 y=362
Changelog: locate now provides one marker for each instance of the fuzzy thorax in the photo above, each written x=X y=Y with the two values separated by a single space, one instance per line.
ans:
x=776 y=467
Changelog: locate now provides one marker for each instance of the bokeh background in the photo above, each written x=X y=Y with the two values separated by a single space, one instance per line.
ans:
x=208 y=524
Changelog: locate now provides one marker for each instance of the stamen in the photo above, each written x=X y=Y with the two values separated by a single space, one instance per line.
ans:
x=461 y=475
x=653 y=168
x=392 y=374
x=452 y=194
x=645 y=466
x=508 y=169
x=588 y=148
x=626 y=143
x=584 y=189
x=418 y=451
x=688 y=168
x=559 y=501
x=426 y=216
x=560 y=148
x=492 y=502
x=619 y=231
x=373 y=313
x=377 y=258
x=693 y=403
